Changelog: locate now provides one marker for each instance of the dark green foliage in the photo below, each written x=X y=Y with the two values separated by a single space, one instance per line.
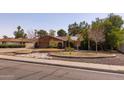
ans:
x=113 y=28
x=83 y=35
x=73 y=29
x=5 y=37
x=115 y=38
x=108 y=33
x=115 y=20
x=41 y=33
x=12 y=46
x=81 y=31
x=20 y=33
x=84 y=45
x=61 y=32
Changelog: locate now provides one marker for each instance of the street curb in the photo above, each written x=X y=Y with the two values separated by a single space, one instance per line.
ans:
x=70 y=66
x=82 y=57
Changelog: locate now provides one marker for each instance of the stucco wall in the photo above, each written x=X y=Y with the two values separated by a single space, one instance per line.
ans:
x=29 y=45
x=10 y=43
x=121 y=48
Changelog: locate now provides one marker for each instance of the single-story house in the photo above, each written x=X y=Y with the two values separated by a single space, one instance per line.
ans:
x=50 y=41
x=43 y=42
x=59 y=42
x=29 y=43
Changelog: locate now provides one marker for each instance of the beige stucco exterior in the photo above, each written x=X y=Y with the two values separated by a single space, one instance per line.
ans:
x=29 y=45
x=121 y=48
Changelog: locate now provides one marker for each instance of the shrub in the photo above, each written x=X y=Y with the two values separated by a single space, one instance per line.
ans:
x=69 y=49
x=12 y=46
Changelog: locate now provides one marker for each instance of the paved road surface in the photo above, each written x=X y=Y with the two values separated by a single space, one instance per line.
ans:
x=29 y=71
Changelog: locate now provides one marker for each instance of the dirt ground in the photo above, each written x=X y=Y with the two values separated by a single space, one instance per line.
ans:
x=118 y=60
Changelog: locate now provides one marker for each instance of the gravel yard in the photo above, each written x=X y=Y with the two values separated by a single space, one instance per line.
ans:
x=36 y=55
x=118 y=60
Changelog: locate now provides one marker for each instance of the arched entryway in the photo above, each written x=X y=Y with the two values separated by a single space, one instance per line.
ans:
x=36 y=45
x=60 y=45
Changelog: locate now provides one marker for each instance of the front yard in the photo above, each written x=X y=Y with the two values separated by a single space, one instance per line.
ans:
x=83 y=54
x=40 y=53
x=118 y=60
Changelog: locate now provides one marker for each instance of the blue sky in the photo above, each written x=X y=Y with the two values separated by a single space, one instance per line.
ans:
x=46 y=21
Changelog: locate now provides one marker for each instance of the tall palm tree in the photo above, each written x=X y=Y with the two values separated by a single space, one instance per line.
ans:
x=20 y=33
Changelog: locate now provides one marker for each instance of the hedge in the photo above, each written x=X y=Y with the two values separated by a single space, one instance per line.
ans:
x=12 y=46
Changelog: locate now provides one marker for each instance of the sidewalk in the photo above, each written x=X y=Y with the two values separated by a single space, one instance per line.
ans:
x=4 y=50
x=90 y=66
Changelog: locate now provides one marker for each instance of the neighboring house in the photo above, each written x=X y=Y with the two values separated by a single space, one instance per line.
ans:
x=29 y=43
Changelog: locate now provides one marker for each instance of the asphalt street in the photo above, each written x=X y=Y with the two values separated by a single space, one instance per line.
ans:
x=15 y=70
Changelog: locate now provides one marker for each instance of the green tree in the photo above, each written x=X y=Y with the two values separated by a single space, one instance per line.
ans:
x=113 y=25
x=41 y=33
x=61 y=32
x=69 y=40
x=116 y=20
x=83 y=33
x=5 y=36
x=20 y=33
x=116 y=38
x=69 y=49
x=73 y=29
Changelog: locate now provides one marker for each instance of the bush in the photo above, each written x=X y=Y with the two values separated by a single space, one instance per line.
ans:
x=68 y=49
x=12 y=46
x=84 y=45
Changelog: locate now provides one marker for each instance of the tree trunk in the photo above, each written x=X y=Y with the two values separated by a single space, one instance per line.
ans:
x=78 y=42
x=96 y=47
x=69 y=44
x=77 y=47
x=88 y=45
x=101 y=46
